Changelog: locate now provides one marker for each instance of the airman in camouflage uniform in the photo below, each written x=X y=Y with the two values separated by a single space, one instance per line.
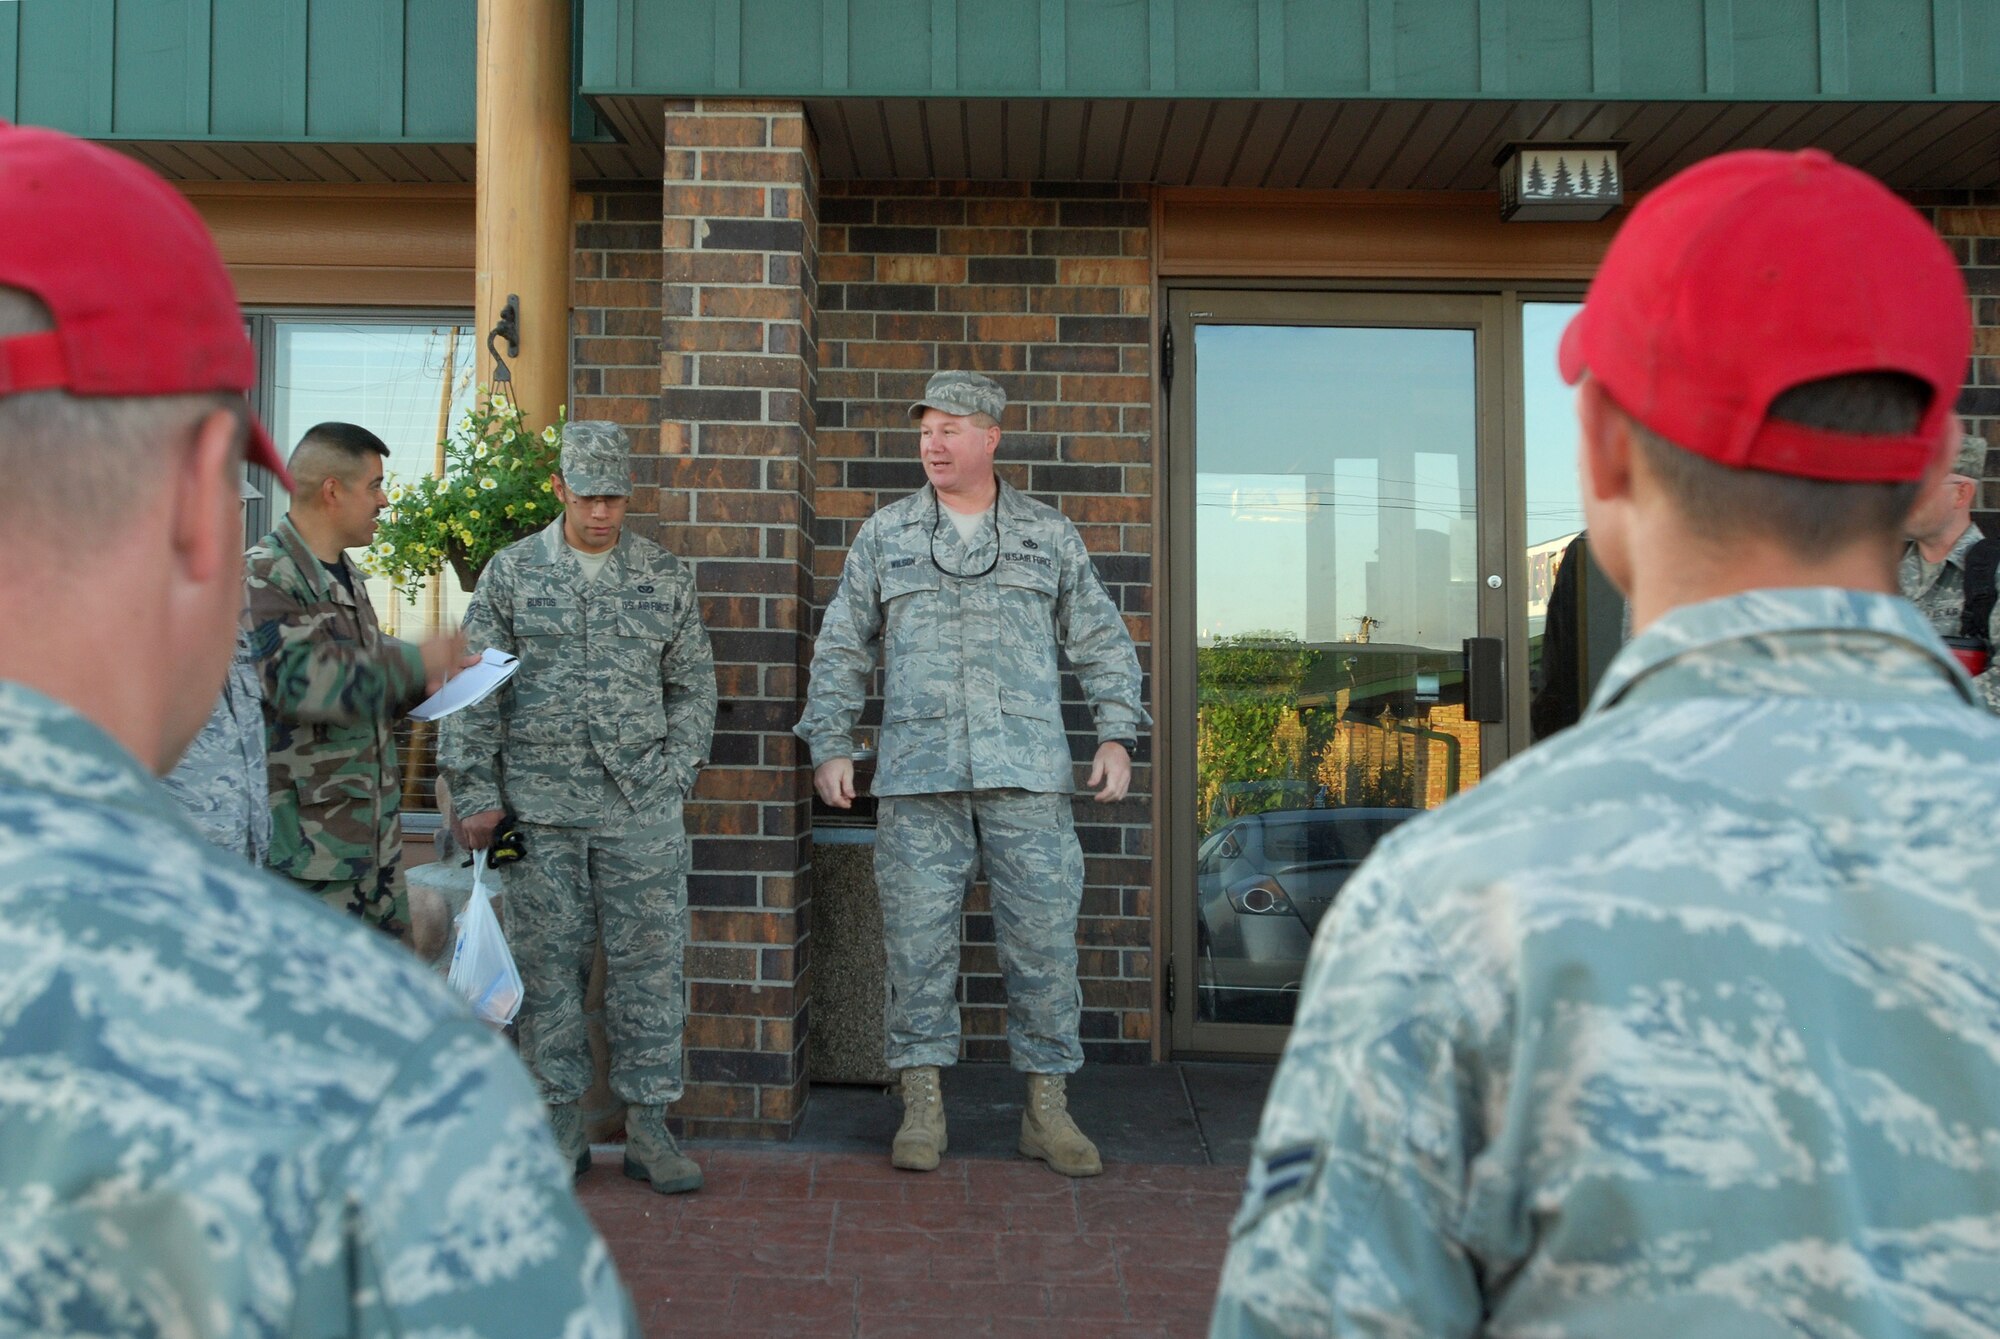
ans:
x=1938 y=589
x=592 y=746
x=1683 y=1022
x=974 y=765
x=224 y=1111
x=221 y=781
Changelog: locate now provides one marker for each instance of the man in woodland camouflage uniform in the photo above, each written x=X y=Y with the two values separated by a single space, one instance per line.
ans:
x=971 y=588
x=223 y=1110
x=1683 y=1022
x=334 y=685
x=592 y=746
x=221 y=780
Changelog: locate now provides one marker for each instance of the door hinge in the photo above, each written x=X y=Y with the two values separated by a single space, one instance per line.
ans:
x=1167 y=985
x=1167 y=356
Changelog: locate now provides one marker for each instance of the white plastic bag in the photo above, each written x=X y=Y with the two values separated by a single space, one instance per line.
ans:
x=482 y=966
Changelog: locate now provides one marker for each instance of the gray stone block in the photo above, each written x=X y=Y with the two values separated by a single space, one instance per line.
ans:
x=845 y=1044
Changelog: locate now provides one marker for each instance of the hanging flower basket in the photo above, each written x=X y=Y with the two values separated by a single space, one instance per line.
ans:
x=494 y=490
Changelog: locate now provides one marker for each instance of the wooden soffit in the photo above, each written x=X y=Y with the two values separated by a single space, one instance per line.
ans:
x=296 y=245
x=1367 y=235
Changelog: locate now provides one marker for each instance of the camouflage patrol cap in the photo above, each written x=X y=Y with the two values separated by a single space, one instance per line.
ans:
x=596 y=459
x=1971 y=458
x=962 y=393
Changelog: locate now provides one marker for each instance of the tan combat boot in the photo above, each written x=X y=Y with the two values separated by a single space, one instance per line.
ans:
x=567 y=1123
x=1048 y=1133
x=651 y=1155
x=921 y=1139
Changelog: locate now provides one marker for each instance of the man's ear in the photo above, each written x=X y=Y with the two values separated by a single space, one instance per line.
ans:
x=207 y=519
x=1604 y=450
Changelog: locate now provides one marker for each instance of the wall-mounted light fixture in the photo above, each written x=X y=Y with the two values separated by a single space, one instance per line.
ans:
x=1565 y=182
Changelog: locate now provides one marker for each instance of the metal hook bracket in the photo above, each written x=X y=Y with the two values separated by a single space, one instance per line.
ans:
x=508 y=327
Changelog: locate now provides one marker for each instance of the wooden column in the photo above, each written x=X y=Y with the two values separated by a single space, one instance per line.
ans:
x=524 y=192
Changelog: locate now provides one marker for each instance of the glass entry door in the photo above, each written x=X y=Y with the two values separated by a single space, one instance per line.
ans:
x=1332 y=549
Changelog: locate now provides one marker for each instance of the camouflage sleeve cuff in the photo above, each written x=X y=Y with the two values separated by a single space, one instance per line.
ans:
x=830 y=748
x=407 y=672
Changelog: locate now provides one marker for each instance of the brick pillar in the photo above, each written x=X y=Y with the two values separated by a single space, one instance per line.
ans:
x=735 y=496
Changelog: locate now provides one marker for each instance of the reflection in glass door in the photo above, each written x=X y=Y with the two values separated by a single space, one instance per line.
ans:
x=1574 y=618
x=1336 y=575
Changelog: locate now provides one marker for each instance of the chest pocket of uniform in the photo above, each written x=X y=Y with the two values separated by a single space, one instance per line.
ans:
x=910 y=610
x=646 y=621
x=1025 y=590
x=550 y=620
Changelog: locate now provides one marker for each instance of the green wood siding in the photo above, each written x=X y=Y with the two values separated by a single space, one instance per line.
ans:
x=1863 y=50
x=326 y=71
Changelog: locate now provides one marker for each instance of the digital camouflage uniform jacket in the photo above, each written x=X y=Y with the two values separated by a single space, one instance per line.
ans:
x=973 y=695
x=1940 y=593
x=616 y=677
x=221 y=781
x=228 y=1111
x=334 y=687
x=1686 y=1022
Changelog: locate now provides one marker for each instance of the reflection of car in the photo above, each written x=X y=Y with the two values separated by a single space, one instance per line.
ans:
x=1263 y=883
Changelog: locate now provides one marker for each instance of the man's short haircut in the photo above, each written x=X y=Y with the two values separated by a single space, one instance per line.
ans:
x=95 y=459
x=983 y=420
x=332 y=451
x=1812 y=518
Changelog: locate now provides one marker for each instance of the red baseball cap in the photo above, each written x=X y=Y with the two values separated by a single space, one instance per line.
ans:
x=141 y=301
x=1758 y=271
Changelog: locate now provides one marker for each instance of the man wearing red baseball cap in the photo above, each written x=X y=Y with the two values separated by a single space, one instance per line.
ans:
x=223 y=1108
x=1685 y=1022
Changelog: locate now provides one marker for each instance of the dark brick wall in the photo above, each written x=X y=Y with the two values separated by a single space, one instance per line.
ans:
x=1969 y=221
x=1048 y=289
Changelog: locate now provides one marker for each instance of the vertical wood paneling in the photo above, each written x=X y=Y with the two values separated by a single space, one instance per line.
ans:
x=1492 y=46
x=833 y=43
x=1605 y=51
x=1160 y=44
x=1718 y=24
x=1948 y=47
x=1381 y=46
x=728 y=43
x=1055 y=45
x=1833 y=47
x=944 y=43
x=1270 y=46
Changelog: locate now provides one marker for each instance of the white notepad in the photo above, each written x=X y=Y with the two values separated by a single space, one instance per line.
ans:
x=469 y=686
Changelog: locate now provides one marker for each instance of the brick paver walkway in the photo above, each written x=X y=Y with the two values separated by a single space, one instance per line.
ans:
x=809 y=1244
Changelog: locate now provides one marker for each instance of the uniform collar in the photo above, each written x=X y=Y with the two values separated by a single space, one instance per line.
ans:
x=1956 y=557
x=1820 y=641
x=52 y=748
x=550 y=551
x=318 y=576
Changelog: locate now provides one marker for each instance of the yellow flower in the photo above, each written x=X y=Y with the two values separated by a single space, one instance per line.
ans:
x=550 y=435
x=385 y=550
x=487 y=484
x=510 y=509
x=396 y=492
x=479 y=452
x=474 y=513
x=546 y=488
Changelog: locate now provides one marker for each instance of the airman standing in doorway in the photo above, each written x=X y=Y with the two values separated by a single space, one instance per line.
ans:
x=971 y=588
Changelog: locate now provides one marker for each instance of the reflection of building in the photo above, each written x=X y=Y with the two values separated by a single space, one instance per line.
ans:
x=1544 y=561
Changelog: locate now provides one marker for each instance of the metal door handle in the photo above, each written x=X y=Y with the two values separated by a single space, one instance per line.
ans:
x=1485 y=683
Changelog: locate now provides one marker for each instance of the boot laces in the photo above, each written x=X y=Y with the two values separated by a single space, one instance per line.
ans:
x=921 y=1090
